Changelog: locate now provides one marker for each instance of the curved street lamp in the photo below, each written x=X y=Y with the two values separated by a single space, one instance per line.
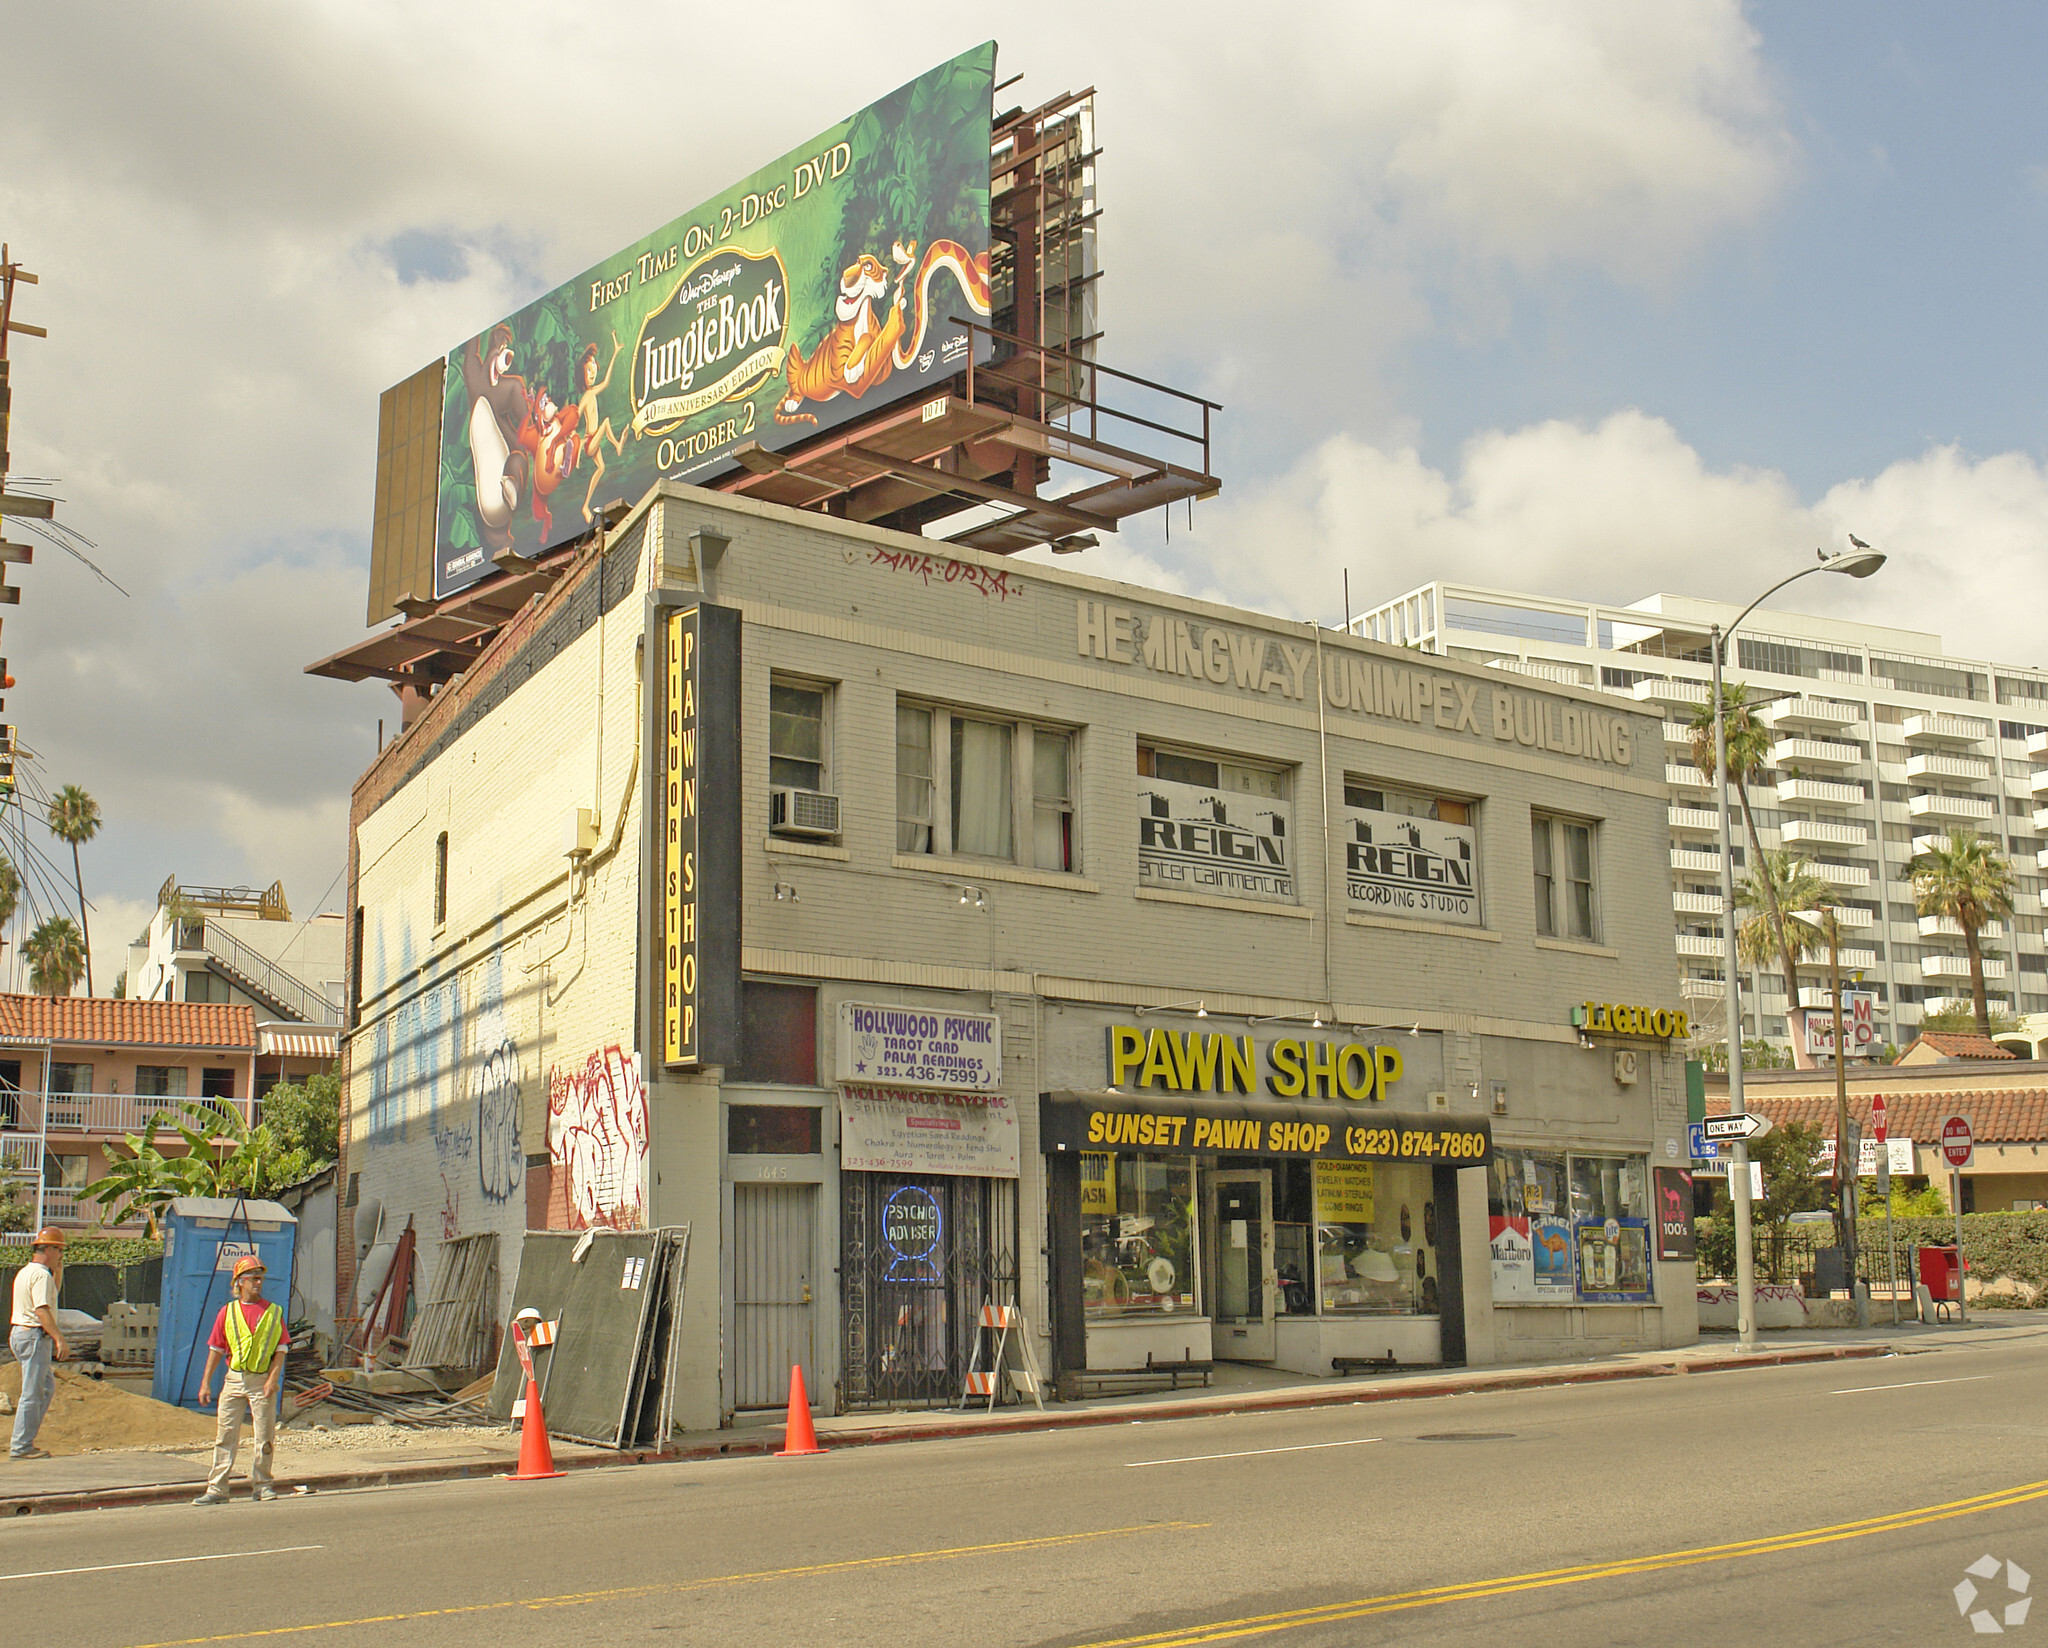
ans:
x=1858 y=561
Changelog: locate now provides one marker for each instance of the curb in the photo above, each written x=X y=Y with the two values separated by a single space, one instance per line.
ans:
x=954 y=1429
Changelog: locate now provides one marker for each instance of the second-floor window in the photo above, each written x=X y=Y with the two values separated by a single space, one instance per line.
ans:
x=1567 y=903
x=797 y=736
x=441 y=878
x=983 y=787
x=160 y=1081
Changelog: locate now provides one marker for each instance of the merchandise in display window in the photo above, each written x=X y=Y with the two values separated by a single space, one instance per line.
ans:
x=1137 y=1236
x=1376 y=1236
x=1567 y=1228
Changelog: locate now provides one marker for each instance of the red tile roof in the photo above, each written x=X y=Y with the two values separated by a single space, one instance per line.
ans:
x=86 y=1020
x=1998 y=1115
x=1963 y=1046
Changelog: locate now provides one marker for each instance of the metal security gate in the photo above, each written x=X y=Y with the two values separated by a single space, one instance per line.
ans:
x=919 y=1255
x=773 y=1244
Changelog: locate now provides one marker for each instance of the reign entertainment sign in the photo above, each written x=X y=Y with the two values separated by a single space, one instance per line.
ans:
x=1197 y=838
x=820 y=287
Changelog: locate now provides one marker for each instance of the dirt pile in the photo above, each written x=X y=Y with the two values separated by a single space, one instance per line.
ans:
x=87 y=1415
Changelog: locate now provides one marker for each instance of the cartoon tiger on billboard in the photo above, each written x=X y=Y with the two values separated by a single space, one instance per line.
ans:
x=858 y=354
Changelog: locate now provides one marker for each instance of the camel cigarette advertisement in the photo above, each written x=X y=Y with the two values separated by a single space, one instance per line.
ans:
x=885 y=1129
x=1199 y=838
x=1411 y=867
x=826 y=284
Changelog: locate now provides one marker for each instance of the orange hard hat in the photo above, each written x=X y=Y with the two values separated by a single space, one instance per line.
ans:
x=49 y=1236
x=246 y=1264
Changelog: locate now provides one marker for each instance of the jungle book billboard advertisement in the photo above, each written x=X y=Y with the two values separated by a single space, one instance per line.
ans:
x=820 y=287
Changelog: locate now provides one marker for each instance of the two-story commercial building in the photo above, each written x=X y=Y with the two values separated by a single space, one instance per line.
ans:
x=928 y=929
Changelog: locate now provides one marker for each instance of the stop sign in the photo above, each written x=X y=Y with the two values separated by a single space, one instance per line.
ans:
x=1957 y=1145
x=1878 y=1117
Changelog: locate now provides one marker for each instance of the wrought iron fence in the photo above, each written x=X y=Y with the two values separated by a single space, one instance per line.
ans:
x=920 y=1255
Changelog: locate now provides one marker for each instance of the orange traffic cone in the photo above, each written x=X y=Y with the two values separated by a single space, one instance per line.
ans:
x=799 y=1437
x=536 y=1458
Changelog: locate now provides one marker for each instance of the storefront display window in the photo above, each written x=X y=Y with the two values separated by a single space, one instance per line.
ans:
x=1565 y=1228
x=1137 y=1236
x=1376 y=1237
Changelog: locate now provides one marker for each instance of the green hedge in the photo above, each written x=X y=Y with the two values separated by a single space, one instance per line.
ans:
x=1994 y=1245
x=93 y=1250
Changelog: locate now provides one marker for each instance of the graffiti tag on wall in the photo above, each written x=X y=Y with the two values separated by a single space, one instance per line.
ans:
x=597 y=1144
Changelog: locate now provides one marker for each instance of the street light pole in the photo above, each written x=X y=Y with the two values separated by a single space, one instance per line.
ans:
x=1738 y=1178
x=1860 y=561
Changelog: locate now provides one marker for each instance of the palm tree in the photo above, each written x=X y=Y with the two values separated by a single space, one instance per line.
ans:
x=1781 y=881
x=1749 y=750
x=1965 y=879
x=75 y=817
x=55 y=953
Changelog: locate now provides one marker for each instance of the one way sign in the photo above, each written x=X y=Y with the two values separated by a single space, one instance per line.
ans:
x=1748 y=1126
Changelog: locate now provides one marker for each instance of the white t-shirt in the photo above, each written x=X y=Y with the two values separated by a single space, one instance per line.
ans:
x=33 y=1287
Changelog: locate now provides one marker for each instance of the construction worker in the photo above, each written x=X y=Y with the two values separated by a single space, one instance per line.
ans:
x=34 y=1339
x=249 y=1333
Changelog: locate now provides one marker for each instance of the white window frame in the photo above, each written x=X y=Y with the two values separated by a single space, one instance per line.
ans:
x=827 y=696
x=1025 y=803
x=1558 y=915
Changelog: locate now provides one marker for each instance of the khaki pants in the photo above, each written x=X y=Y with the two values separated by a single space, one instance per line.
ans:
x=241 y=1397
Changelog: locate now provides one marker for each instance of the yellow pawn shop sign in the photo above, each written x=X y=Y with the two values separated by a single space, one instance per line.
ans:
x=1194 y=1062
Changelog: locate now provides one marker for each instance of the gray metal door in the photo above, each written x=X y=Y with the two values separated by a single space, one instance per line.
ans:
x=773 y=1243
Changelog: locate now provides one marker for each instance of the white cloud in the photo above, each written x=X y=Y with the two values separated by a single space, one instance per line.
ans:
x=1618 y=511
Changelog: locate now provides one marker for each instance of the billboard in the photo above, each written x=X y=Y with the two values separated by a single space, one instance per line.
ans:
x=1411 y=867
x=820 y=287
x=1859 y=1026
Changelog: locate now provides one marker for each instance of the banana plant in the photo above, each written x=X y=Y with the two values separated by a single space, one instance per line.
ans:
x=223 y=1156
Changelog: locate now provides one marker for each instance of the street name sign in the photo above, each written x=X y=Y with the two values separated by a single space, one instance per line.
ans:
x=1747 y=1126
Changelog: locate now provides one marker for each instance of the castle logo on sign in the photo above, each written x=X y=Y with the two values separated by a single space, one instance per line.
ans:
x=1197 y=838
x=1416 y=867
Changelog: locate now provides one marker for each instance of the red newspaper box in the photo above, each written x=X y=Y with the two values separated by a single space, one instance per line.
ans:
x=1941 y=1275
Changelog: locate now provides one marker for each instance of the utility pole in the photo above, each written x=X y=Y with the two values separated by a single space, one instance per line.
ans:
x=29 y=508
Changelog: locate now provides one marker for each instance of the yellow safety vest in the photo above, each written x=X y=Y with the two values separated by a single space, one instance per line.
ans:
x=250 y=1349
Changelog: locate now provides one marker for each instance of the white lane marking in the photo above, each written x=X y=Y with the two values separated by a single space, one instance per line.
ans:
x=162 y=1562
x=1248 y=1453
x=1909 y=1384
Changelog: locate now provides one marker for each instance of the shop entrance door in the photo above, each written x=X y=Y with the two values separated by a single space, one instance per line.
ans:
x=1242 y=1285
x=772 y=1245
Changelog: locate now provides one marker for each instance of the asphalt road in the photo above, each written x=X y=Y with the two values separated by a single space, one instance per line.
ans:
x=1836 y=1503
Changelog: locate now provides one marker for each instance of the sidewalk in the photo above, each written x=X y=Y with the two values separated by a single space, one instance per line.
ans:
x=151 y=1477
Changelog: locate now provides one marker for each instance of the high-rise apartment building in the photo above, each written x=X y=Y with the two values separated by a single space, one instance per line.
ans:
x=1883 y=740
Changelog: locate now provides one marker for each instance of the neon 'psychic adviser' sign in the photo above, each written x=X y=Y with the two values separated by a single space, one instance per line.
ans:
x=828 y=283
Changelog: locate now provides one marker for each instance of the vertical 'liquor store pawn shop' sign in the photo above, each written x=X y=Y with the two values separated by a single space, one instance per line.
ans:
x=679 y=841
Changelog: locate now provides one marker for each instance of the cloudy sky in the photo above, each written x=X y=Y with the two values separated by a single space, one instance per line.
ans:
x=1598 y=299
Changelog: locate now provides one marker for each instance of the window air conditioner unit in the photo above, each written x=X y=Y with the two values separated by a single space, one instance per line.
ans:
x=803 y=812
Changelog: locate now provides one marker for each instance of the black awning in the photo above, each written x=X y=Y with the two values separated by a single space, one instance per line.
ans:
x=1178 y=1125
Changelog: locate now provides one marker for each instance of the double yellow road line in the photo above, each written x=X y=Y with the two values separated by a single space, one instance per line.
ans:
x=1230 y=1630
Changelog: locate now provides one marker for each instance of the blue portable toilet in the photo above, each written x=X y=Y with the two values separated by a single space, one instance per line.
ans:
x=203 y=1237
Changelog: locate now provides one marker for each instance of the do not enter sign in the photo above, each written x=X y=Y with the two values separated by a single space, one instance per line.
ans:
x=1957 y=1145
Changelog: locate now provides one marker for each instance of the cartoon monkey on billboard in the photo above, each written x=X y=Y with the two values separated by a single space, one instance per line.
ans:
x=499 y=410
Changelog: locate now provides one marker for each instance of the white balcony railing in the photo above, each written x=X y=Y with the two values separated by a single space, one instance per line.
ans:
x=1963 y=1004
x=1822 y=790
x=1696 y=818
x=1671 y=692
x=1697 y=904
x=1936 y=728
x=1699 y=989
x=2037 y=784
x=2037 y=746
x=1822 y=831
x=1699 y=944
x=1852 y=959
x=1841 y=875
x=1850 y=915
x=1820 y=752
x=1958 y=967
x=1677 y=735
x=1808 y=712
x=91 y=1112
x=1685 y=778
x=1684 y=858
x=1813 y=996
x=1949 y=927
x=1968 y=767
x=1951 y=806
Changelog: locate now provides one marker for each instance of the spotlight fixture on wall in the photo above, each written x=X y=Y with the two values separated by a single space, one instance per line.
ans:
x=783 y=890
x=1313 y=1019
x=1201 y=1009
x=970 y=894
